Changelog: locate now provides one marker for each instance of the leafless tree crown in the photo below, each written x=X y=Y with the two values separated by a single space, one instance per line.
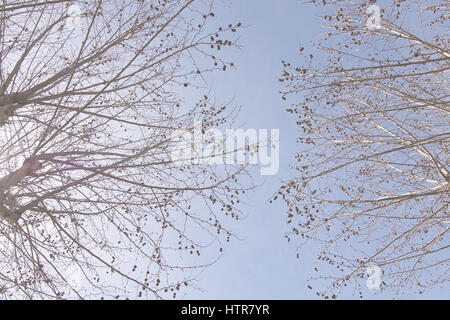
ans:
x=89 y=97
x=373 y=170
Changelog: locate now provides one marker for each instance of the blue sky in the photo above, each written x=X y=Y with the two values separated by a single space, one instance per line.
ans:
x=263 y=265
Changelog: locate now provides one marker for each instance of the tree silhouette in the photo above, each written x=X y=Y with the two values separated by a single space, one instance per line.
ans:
x=89 y=98
x=372 y=181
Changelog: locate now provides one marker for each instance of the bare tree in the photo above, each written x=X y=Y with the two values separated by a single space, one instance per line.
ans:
x=89 y=98
x=372 y=181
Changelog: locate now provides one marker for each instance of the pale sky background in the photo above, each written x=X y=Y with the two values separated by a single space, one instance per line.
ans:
x=263 y=265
